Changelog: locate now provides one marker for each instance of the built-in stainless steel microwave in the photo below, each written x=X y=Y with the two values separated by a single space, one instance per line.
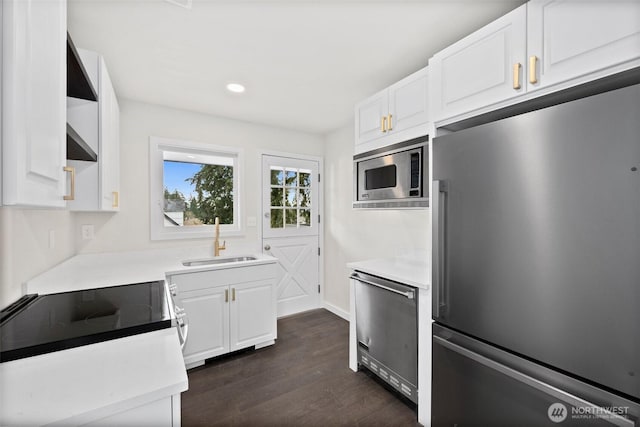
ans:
x=392 y=177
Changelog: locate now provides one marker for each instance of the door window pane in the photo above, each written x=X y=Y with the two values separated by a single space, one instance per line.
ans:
x=276 y=218
x=305 y=179
x=277 y=197
x=276 y=176
x=291 y=198
x=291 y=217
x=291 y=178
x=304 y=197
x=291 y=189
x=305 y=217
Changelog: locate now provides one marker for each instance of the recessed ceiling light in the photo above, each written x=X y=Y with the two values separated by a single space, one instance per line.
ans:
x=235 y=88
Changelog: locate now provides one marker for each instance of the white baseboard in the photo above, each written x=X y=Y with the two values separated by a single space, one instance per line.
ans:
x=337 y=311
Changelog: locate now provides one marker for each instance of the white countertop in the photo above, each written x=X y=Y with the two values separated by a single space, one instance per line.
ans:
x=88 y=271
x=412 y=269
x=81 y=384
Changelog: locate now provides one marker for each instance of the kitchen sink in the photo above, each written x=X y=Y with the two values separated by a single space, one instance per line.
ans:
x=216 y=261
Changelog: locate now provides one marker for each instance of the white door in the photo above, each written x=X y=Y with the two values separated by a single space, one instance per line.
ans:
x=408 y=103
x=571 y=39
x=290 y=223
x=369 y=115
x=34 y=69
x=208 y=314
x=485 y=67
x=251 y=314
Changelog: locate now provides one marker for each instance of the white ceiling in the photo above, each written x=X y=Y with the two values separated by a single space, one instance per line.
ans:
x=305 y=63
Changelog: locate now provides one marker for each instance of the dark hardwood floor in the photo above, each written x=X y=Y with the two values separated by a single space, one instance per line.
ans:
x=303 y=379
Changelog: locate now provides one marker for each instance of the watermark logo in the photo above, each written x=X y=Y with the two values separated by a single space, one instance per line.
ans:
x=557 y=412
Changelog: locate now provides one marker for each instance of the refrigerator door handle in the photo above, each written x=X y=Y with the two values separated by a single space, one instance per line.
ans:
x=545 y=388
x=439 y=189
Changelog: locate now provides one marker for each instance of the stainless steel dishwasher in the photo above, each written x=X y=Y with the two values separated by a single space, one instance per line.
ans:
x=387 y=331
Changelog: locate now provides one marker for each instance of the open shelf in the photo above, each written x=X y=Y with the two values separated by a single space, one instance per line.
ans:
x=78 y=82
x=77 y=148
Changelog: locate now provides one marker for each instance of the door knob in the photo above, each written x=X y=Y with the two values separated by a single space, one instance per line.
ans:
x=267 y=214
x=267 y=247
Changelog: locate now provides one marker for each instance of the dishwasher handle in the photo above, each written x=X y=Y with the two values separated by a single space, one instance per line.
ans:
x=407 y=294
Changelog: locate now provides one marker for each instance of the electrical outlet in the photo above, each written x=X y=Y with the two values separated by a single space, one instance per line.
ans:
x=87 y=232
x=251 y=221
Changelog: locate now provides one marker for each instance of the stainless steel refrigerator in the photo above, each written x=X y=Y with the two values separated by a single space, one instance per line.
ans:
x=536 y=267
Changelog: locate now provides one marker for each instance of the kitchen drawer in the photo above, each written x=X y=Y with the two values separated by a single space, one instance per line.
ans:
x=223 y=277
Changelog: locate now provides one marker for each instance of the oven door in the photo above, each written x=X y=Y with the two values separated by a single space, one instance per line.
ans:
x=178 y=313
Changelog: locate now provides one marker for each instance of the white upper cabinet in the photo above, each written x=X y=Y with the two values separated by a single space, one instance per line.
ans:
x=34 y=82
x=482 y=68
x=569 y=39
x=538 y=48
x=370 y=116
x=395 y=114
x=97 y=184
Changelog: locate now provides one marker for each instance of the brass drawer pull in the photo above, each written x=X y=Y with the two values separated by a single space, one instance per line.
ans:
x=516 y=76
x=532 y=69
x=72 y=171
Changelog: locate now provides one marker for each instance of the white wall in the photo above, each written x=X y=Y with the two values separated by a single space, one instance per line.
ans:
x=129 y=228
x=24 y=234
x=25 y=250
x=355 y=234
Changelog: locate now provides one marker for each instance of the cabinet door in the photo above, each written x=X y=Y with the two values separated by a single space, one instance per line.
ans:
x=369 y=115
x=109 y=143
x=478 y=70
x=34 y=72
x=574 y=38
x=253 y=314
x=408 y=103
x=158 y=414
x=208 y=316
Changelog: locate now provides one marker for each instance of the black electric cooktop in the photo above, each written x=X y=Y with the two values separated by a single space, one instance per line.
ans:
x=38 y=324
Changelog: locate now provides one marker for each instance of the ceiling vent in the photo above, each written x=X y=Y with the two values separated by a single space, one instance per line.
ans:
x=182 y=3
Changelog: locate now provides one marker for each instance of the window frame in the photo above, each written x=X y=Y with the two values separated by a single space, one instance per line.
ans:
x=158 y=231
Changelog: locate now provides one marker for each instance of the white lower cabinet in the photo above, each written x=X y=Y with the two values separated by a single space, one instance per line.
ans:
x=208 y=314
x=160 y=413
x=227 y=310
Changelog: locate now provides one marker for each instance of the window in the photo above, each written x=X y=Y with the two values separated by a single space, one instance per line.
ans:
x=290 y=197
x=192 y=184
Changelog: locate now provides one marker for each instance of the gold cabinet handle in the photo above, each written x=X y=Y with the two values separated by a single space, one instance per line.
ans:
x=532 y=69
x=226 y=295
x=233 y=294
x=516 y=76
x=72 y=171
x=115 y=201
x=390 y=122
x=383 y=124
